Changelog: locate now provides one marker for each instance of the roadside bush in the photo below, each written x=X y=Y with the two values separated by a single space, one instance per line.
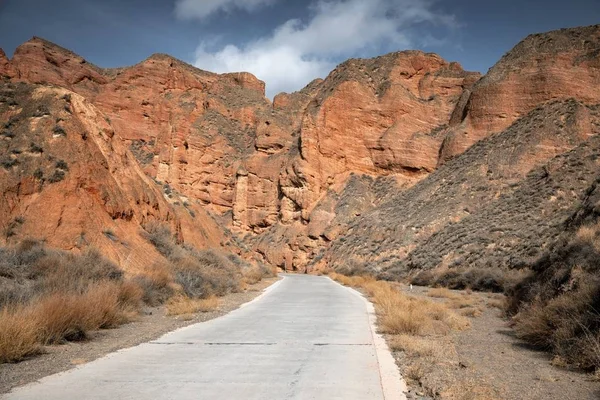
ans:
x=351 y=268
x=399 y=313
x=18 y=334
x=181 y=305
x=199 y=274
x=157 y=283
x=478 y=279
x=567 y=325
x=204 y=273
x=50 y=296
x=255 y=273
x=557 y=308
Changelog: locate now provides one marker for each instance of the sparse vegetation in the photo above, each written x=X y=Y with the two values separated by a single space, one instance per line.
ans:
x=557 y=308
x=198 y=274
x=49 y=296
x=479 y=279
x=35 y=149
x=59 y=130
x=183 y=305
x=61 y=164
x=41 y=111
x=8 y=162
x=157 y=283
x=57 y=176
x=403 y=314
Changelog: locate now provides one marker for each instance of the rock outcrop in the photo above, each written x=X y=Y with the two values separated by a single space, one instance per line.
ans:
x=392 y=139
x=556 y=65
x=66 y=178
x=497 y=204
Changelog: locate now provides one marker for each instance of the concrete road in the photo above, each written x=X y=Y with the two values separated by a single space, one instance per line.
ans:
x=306 y=338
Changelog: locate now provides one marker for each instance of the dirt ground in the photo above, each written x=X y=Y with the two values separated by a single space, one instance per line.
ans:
x=151 y=325
x=487 y=362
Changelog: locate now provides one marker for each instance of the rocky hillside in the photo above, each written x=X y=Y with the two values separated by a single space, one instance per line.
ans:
x=67 y=179
x=500 y=202
x=394 y=164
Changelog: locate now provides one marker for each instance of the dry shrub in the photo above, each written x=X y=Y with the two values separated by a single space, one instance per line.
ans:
x=568 y=325
x=402 y=314
x=414 y=346
x=30 y=270
x=205 y=273
x=163 y=240
x=494 y=303
x=464 y=301
x=59 y=317
x=557 y=308
x=478 y=279
x=18 y=334
x=409 y=321
x=157 y=283
x=416 y=372
x=181 y=305
x=255 y=273
x=60 y=272
x=66 y=296
x=472 y=312
x=69 y=316
x=198 y=273
x=352 y=281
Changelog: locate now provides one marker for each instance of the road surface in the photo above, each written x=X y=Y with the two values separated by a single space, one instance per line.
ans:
x=306 y=338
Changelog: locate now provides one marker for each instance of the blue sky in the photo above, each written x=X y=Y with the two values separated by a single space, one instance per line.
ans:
x=286 y=43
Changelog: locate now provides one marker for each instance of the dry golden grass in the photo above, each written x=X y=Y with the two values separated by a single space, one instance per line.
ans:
x=160 y=273
x=472 y=312
x=442 y=293
x=415 y=372
x=587 y=233
x=255 y=274
x=18 y=334
x=499 y=304
x=182 y=305
x=465 y=301
x=402 y=314
x=69 y=316
x=62 y=316
x=473 y=389
x=414 y=346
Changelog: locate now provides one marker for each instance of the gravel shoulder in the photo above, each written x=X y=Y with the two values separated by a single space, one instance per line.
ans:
x=152 y=324
x=488 y=362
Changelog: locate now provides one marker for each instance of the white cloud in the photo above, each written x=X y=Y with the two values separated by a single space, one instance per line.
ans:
x=296 y=52
x=200 y=9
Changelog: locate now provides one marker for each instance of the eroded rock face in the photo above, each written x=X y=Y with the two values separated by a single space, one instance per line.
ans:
x=294 y=175
x=68 y=179
x=5 y=66
x=501 y=201
x=556 y=65
x=168 y=113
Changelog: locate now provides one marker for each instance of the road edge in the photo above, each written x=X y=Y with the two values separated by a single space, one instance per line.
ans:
x=392 y=383
x=265 y=292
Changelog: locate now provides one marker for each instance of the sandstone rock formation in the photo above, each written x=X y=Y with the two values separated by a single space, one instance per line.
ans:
x=498 y=204
x=551 y=66
x=68 y=179
x=376 y=140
